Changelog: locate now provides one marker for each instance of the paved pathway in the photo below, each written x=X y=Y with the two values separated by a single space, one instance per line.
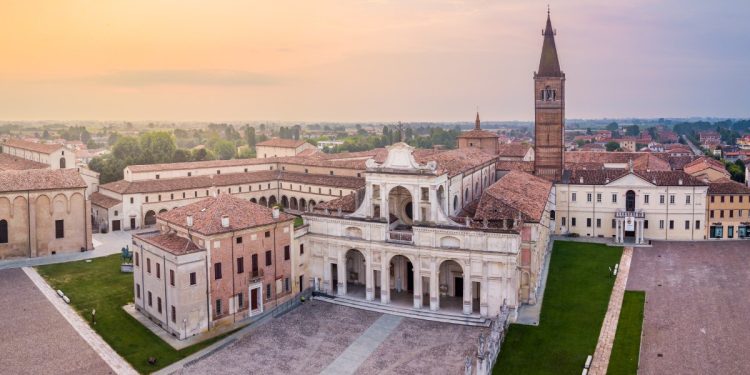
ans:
x=609 y=326
x=117 y=363
x=348 y=361
x=104 y=245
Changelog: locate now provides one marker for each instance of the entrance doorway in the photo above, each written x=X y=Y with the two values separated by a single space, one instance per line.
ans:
x=115 y=225
x=334 y=278
x=132 y=223
x=254 y=299
x=459 y=286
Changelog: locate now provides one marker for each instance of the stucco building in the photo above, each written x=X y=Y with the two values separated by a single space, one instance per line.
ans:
x=215 y=262
x=56 y=156
x=279 y=147
x=728 y=210
x=43 y=212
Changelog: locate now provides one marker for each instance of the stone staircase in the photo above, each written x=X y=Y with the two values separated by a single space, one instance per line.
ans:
x=424 y=314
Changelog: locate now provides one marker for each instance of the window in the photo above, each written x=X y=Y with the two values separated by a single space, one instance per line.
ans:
x=711 y=214
x=268 y=291
x=722 y=199
x=331 y=172
x=598 y=197
x=671 y=199
x=588 y=197
x=562 y=221
x=301 y=249
x=157 y=176
x=268 y=234
x=661 y=199
x=239 y=240
x=158 y=270
x=116 y=212
x=268 y=258
x=159 y=196
x=286 y=252
x=588 y=222
x=645 y=224
x=712 y=199
x=190 y=174
x=171 y=196
x=697 y=224
x=218 y=307
x=730 y=232
x=671 y=224
x=174 y=315
x=721 y=214
x=598 y=223
x=240 y=300
x=614 y=223
x=240 y=265
x=158 y=304
x=661 y=224
x=614 y=198
x=149 y=300
x=171 y=277
x=217 y=271
x=136 y=260
x=731 y=213
x=687 y=199
x=687 y=224
x=131 y=200
x=287 y=286
x=573 y=197
x=59 y=229
x=193 y=280
x=148 y=265
x=573 y=221
x=645 y=199
x=147 y=199
x=138 y=291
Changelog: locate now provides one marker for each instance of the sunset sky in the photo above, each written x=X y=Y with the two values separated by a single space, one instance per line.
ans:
x=378 y=60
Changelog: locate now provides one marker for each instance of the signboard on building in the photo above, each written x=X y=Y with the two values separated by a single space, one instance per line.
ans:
x=629 y=224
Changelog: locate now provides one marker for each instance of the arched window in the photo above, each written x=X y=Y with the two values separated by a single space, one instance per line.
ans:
x=466 y=194
x=3 y=231
x=62 y=163
x=455 y=203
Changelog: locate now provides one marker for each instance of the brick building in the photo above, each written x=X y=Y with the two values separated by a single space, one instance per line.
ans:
x=215 y=262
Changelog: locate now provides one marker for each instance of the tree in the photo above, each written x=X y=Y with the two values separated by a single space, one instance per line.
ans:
x=250 y=136
x=201 y=154
x=157 y=147
x=223 y=149
x=612 y=126
x=632 y=130
x=612 y=146
x=181 y=155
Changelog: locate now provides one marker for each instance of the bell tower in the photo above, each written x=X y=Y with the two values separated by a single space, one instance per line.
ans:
x=549 y=110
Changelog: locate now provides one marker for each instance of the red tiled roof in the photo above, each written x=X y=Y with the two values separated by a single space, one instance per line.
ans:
x=43 y=148
x=13 y=163
x=478 y=134
x=605 y=176
x=728 y=187
x=281 y=142
x=346 y=203
x=208 y=212
x=704 y=163
x=199 y=164
x=40 y=179
x=515 y=165
x=649 y=162
x=101 y=200
x=170 y=242
x=516 y=192
x=513 y=149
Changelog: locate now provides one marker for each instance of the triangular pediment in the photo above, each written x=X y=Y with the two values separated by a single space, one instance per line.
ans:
x=630 y=179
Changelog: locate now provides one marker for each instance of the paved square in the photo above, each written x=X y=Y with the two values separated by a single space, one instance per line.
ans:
x=309 y=338
x=36 y=339
x=697 y=314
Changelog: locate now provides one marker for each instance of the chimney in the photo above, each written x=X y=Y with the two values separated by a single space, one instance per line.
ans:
x=189 y=220
x=225 y=221
x=679 y=182
x=275 y=213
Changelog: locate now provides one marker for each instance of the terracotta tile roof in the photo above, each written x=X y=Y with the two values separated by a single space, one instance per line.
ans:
x=679 y=162
x=44 y=148
x=228 y=179
x=477 y=134
x=728 y=187
x=677 y=147
x=40 y=179
x=281 y=142
x=347 y=203
x=596 y=160
x=199 y=164
x=513 y=149
x=208 y=212
x=650 y=162
x=515 y=165
x=14 y=163
x=704 y=163
x=102 y=200
x=605 y=176
x=455 y=161
x=516 y=192
x=169 y=242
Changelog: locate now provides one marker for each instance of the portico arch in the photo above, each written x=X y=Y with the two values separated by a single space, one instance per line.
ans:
x=302 y=204
x=400 y=205
x=293 y=203
x=272 y=201
x=284 y=201
x=263 y=201
x=253 y=200
x=454 y=286
x=150 y=218
x=356 y=272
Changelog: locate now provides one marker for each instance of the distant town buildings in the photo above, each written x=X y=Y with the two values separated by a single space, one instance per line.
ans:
x=278 y=147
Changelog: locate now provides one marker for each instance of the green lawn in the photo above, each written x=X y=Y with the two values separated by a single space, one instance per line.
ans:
x=627 y=346
x=100 y=285
x=575 y=301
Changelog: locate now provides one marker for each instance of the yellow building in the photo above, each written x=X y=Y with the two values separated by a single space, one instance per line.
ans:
x=728 y=210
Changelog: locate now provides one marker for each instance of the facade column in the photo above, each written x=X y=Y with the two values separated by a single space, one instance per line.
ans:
x=384 y=211
x=434 y=290
x=341 y=270
x=483 y=290
x=385 y=279
x=467 y=291
x=31 y=216
x=417 y=274
x=327 y=278
x=368 y=278
x=416 y=211
x=434 y=205
x=617 y=230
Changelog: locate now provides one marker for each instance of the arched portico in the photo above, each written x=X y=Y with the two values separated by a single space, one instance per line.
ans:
x=150 y=218
x=302 y=204
x=272 y=201
x=293 y=203
x=284 y=201
x=455 y=287
x=263 y=201
x=400 y=205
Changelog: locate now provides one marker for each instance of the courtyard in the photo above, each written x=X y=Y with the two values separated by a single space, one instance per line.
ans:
x=322 y=337
x=36 y=338
x=697 y=304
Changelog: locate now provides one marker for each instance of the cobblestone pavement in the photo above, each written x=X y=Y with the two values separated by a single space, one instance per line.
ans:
x=609 y=325
x=697 y=307
x=36 y=339
x=424 y=347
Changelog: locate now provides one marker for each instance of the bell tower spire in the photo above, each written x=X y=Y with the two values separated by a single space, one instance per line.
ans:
x=477 y=123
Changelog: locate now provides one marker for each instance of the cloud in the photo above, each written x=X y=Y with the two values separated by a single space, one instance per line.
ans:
x=172 y=77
